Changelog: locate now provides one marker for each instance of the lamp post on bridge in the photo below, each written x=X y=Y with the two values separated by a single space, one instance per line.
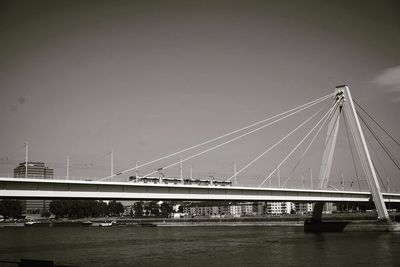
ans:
x=279 y=179
x=181 y=169
x=234 y=172
x=67 y=167
x=111 y=164
x=136 y=170
x=26 y=159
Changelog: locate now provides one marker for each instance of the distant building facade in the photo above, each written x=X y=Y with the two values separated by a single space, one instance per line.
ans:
x=279 y=208
x=206 y=210
x=222 y=209
x=303 y=208
x=235 y=210
x=238 y=209
x=34 y=170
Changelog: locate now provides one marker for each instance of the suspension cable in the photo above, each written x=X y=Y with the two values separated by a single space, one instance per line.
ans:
x=327 y=141
x=309 y=145
x=391 y=137
x=299 y=108
x=352 y=153
x=375 y=152
x=8 y=157
x=224 y=143
x=299 y=144
x=373 y=163
x=387 y=151
x=280 y=141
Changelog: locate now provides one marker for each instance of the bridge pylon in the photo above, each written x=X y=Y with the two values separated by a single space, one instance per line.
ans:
x=346 y=105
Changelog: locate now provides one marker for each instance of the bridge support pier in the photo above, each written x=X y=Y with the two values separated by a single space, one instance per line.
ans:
x=316 y=225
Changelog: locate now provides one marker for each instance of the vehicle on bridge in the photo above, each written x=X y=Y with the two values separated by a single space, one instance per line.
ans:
x=173 y=180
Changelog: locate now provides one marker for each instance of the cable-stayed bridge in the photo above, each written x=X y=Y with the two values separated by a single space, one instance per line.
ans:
x=53 y=189
x=338 y=106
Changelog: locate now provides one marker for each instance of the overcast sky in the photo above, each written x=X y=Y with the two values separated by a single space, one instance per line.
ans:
x=147 y=78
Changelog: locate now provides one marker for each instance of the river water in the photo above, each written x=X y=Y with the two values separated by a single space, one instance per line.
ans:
x=198 y=246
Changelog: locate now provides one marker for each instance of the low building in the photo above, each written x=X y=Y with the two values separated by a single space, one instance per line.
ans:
x=303 y=208
x=235 y=210
x=279 y=208
x=205 y=209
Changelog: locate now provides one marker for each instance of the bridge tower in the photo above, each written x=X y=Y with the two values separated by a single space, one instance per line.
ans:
x=346 y=106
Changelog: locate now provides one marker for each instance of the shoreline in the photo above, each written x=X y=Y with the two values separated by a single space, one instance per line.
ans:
x=285 y=221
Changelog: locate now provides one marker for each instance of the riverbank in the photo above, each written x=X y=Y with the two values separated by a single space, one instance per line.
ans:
x=294 y=220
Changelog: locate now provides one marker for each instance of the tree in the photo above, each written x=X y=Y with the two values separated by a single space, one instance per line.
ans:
x=138 y=209
x=57 y=207
x=10 y=208
x=152 y=208
x=45 y=213
x=166 y=208
x=115 y=208
x=84 y=208
x=103 y=209
x=180 y=209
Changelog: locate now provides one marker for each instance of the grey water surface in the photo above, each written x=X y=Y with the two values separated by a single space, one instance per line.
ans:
x=198 y=246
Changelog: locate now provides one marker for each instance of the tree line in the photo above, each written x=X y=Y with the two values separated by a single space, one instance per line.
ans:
x=10 y=208
x=85 y=208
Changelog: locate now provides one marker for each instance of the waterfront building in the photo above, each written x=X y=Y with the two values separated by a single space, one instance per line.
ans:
x=186 y=209
x=34 y=170
x=329 y=208
x=235 y=210
x=247 y=208
x=303 y=208
x=279 y=208
x=205 y=209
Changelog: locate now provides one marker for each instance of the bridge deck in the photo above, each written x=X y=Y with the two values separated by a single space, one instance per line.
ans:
x=52 y=189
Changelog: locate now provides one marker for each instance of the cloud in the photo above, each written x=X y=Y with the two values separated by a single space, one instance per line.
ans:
x=389 y=80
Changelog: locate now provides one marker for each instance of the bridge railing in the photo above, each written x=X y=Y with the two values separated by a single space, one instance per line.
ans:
x=53 y=177
x=361 y=185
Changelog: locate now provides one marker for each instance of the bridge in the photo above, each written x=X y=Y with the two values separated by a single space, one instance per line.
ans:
x=65 y=189
x=160 y=187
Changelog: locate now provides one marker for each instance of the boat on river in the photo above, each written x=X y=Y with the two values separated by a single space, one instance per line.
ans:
x=107 y=223
x=36 y=224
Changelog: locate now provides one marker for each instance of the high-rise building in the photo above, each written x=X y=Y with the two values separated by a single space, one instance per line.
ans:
x=34 y=170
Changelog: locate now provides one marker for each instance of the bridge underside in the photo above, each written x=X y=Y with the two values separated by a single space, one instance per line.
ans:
x=54 y=189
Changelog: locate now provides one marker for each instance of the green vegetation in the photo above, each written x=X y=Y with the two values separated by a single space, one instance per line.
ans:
x=166 y=209
x=85 y=208
x=152 y=209
x=138 y=209
x=10 y=208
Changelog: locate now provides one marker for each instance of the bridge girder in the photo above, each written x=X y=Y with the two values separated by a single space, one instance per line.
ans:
x=55 y=189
